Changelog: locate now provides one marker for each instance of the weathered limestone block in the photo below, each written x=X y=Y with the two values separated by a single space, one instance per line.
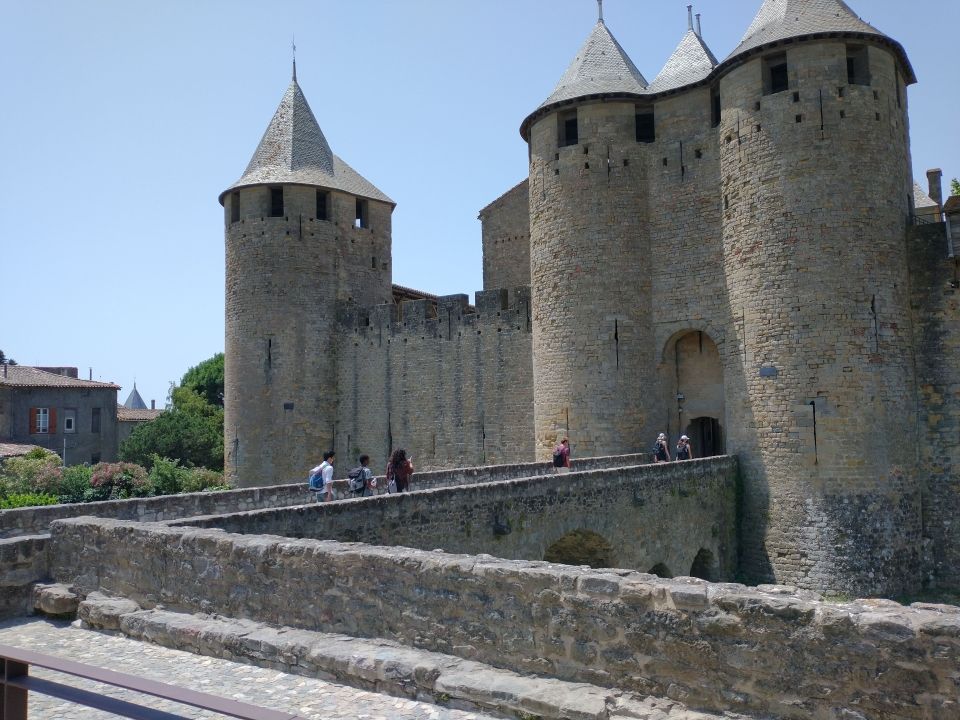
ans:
x=56 y=599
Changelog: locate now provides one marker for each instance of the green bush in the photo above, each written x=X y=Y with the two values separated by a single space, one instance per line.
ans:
x=117 y=481
x=166 y=476
x=19 y=500
x=20 y=475
x=201 y=479
x=74 y=483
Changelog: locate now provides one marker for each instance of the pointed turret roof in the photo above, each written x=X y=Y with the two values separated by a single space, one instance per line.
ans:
x=601 y=67
x=134 y=401
x=294 y=150
x=691 y=62
x=786 y=19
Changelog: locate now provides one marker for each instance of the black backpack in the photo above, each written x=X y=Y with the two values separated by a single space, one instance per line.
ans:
x=558 y=458
x=356 y=478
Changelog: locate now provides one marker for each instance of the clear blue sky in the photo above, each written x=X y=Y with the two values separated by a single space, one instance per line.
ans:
x=122 y=121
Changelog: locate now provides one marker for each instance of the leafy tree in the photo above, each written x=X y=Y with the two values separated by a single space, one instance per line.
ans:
x=206 y=379
x=11 y=361
x=190 y=431
x=955 y=187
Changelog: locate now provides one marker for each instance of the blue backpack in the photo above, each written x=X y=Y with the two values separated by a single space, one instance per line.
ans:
x=316 y=480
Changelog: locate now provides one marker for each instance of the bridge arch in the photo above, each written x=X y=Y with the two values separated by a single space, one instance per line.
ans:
x=660 y=570
x=582 y=547
x=691 y=378
x=705 y=566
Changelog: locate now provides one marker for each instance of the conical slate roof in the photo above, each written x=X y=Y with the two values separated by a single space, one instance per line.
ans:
x=782 y=19
x=134 y=401
x=294 y=150
x=691 y=62
x=601 y=67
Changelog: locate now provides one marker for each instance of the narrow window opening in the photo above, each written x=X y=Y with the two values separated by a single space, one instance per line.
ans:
x=234 y=207
x=715 y=108
x=95 y=420
x=698 y=153
x=568 y=132
x=276 y=202
x=362 y=220
x=664 y=162
x=323 y=205
x=626 y=162
x=373 y=262
x=858 y=65
x=775 y=74
x=756 y=106
x=796 y=97
x=843 y=114
x=646 y=129
x=899 y=101
x=726 y=202
x=878 y=116
x=757 y=128
x=799 y=118
x=840 y=92
x=876 y=95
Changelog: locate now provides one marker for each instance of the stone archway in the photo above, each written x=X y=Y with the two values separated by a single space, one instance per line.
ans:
x=661 y=571
x=692 y=377
x=581 y=547
x=705 y=566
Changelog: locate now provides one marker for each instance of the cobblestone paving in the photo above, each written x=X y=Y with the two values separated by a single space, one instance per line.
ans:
x=310 y=698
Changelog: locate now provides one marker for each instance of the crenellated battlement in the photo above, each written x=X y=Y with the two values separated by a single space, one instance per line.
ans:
x=446 y=318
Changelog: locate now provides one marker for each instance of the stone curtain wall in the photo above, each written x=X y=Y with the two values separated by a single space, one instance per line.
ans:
x=765 y=651
x=936 y=324
x=452 y=387
x=23 y=562
x=653 y=514
x=506 y=239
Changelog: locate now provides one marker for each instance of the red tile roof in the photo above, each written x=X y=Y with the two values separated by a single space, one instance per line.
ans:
x=23 y=376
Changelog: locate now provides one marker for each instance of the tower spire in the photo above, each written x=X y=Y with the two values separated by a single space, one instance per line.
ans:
x=293 y=47
x=600 y=10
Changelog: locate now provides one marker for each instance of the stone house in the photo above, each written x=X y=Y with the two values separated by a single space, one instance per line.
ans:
x=60 y=412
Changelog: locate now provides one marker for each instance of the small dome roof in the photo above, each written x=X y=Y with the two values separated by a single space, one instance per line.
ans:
x=601 y=67
x=690 y=63
x=294 y=150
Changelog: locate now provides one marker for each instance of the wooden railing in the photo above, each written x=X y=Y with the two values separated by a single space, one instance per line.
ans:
x=16 y=683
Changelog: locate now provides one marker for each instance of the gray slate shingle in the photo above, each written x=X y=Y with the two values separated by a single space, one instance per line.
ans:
x=294 y=150
x=691 y=62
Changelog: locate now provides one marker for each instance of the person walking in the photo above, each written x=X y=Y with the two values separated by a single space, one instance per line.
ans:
x=661 y=453
x=365 y=484
x=561 y=457
x=326 y=471
x=684 y=449
x=399 y=470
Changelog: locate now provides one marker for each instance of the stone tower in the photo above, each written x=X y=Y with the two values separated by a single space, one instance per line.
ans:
x=590 y=282
x=304 y=231
x=815 y=183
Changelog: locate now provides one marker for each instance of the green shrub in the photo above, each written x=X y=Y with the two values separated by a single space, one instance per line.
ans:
x=117 y=481
x=19 y=475
x=201 y=479
x=166 y=476
x=74 y=483
x=19 y=500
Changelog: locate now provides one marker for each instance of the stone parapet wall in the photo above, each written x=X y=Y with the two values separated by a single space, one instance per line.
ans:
x=764 y=651
x=651 y=515
x=23 y=562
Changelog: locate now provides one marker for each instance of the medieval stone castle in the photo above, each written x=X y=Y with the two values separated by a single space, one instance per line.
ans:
x=727 y=251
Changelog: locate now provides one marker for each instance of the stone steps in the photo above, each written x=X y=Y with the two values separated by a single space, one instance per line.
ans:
x=381 y=665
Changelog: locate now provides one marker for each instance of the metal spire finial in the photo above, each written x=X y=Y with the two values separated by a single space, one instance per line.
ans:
x=689 y=17
x=293 y=46
x=600 y=10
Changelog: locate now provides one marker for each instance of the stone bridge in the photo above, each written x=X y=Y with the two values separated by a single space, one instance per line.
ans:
x=670 y=519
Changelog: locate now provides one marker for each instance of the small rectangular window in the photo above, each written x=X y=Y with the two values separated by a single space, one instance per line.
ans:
x=234 y=207
x=95 y=420
x=69 y=421
x=276 y=202
x=715 y=108
x=858 y=65
x=362 y=219
x=646 y=126
x=776 y=77
x=568 y=133
x=323 y=202
x=41 y=424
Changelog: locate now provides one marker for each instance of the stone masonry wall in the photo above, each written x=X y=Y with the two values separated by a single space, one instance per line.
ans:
x=23 y=562
x=506 y=239
x=452 y=387
x=936 y=317
x=651 y=515
x=767 y=651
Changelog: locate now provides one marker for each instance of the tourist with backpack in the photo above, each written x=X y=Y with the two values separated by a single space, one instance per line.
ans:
x=661 y=453
x=362 y=482
x=321 y=478
x=684 y=449
x=561 y=457
x=399 y=470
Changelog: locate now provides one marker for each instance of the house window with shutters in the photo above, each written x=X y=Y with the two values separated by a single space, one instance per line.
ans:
x=43 y=420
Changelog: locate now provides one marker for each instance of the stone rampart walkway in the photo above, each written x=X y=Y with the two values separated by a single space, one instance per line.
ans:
x=310 y=698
